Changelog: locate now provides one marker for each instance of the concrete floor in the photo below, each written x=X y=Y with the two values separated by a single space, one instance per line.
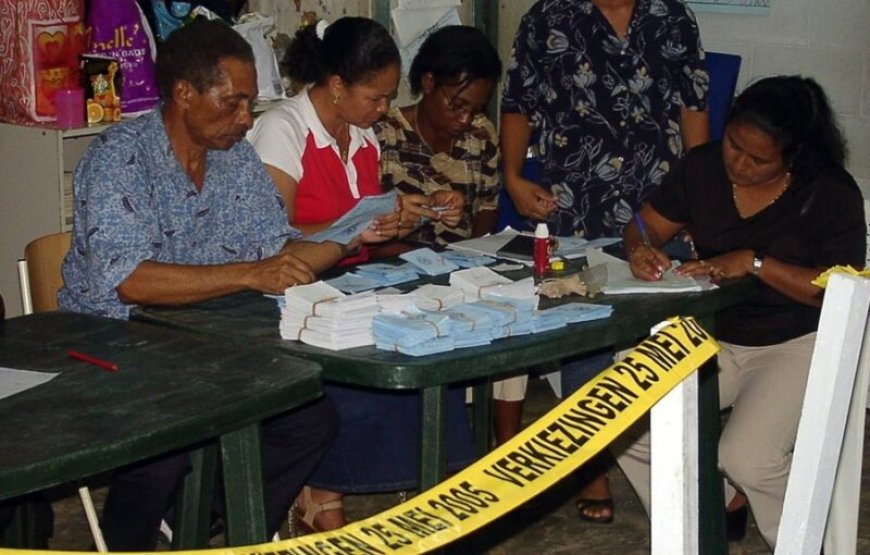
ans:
x=547 y=525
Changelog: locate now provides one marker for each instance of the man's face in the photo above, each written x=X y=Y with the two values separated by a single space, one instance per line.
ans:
x=220 y=116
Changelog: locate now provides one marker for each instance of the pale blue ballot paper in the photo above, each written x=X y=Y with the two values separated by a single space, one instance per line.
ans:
x=349 y=226
x=429 y=261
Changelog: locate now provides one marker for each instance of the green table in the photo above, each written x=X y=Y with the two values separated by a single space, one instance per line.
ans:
x=173 y=390
x=253 y=319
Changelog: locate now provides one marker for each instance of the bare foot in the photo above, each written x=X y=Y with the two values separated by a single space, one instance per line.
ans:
x=320 y=510
x=595 y=502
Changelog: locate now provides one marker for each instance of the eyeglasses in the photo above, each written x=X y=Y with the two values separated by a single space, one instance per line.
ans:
x=458 y=106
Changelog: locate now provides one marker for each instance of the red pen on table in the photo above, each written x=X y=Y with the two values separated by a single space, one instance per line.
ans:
x=104 y=364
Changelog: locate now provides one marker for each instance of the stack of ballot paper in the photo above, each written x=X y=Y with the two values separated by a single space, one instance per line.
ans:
x=388 y=274
x=429 y=262
x=522 y=294
x=372 y=276
x=413 y=332
x=321 y=315
x=474 y=281
x=437 y=297
x=467 y=259
x=394 y=302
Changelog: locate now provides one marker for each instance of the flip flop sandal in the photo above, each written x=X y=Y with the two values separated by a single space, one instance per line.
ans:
x=584 y=505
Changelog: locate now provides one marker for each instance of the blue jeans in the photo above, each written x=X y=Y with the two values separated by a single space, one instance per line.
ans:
x=577 y=371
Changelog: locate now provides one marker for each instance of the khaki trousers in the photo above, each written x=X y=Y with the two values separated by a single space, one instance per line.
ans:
x=765 y=388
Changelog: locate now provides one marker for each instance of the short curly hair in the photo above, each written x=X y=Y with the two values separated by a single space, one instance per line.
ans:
x=193 y=53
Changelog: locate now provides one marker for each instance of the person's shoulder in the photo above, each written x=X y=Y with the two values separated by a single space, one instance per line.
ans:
x=392 y=120
x=674 y=8
x=704 y=153
x=122 y=139
x=482 y=128
x=283 y=119
x=836 y=179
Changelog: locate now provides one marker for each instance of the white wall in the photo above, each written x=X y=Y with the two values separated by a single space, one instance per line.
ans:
x=824 y=39
x=827 y=40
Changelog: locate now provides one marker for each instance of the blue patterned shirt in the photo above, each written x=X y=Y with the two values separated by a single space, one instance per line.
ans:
x=134 y=202
x=606 y=110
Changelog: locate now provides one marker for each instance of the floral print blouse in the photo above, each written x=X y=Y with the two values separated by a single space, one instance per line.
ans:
x=605 y=110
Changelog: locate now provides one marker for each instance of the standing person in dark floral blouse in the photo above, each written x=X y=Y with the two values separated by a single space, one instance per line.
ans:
x=615 y=91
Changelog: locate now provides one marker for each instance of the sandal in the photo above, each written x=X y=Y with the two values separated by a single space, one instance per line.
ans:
x=583 y=505
x=305 y=522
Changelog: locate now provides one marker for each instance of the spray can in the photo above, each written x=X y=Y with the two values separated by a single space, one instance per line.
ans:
x=542 y=249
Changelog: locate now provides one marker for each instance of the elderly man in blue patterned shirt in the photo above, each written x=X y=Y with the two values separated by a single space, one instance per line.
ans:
x=175 y=207
x=615 y=91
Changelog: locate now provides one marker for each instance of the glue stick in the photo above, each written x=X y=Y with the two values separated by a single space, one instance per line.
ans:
x=542 y=249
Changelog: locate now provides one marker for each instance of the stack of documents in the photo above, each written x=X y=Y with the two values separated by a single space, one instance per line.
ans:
x=321 y=315
x=437 y=297
x=474 y=281
x=393 y=301
x=352 y=223
x=520 y=294
x=620 y=280
x=373 y=276
x=567 y=247
x=388 y=274
x=467 y=259
x=414 y=332
x=429 y=262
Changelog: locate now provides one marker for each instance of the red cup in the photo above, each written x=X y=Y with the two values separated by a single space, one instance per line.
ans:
x=70 y=105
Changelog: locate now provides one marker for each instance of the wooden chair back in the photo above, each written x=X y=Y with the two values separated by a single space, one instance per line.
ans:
x=44 y=257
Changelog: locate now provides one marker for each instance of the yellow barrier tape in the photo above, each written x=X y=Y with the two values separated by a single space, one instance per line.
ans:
x=541 y=455
x=822 y=279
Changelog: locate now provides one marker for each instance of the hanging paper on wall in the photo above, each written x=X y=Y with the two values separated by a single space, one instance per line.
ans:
x=755 y=7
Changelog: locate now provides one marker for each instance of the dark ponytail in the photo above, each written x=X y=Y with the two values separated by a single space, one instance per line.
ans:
x=354 y=48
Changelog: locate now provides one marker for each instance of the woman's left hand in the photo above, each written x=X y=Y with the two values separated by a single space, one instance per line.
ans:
x=384 y=227
x=734 y=264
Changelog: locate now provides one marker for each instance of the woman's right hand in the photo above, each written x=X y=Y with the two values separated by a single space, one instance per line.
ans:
x=414 y=208
x=648 y=263
x=530 y=199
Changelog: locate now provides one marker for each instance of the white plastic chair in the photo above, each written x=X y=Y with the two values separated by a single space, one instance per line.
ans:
x=39 y=278
x=822 y=497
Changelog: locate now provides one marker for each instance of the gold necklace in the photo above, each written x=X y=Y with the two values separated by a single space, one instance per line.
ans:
x=416 y=127
x=786 y=183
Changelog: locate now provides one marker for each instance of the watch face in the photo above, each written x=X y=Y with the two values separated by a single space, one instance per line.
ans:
x=756 y=264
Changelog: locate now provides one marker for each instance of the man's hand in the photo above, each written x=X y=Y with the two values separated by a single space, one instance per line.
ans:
x=275 y=274
x=530 y=199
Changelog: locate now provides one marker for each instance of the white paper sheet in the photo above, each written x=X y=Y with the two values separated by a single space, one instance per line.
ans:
x=14 y=381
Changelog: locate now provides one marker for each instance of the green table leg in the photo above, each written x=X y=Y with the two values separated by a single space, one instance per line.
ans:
x=711 y=502
x=433 y=448
x=481 y=410
x=193 y=508
x=243 y=483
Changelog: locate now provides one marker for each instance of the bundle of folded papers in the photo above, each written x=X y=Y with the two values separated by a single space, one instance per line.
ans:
x=321 y=315
x=430 y=319
x=416 y=331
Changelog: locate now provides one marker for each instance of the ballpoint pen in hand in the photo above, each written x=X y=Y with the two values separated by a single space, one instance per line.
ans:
x=641 y=228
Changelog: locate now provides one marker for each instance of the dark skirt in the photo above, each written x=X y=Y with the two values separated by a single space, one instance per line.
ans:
x=378 y=443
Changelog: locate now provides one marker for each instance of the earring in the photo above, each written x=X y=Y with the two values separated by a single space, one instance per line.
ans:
x=335 y=97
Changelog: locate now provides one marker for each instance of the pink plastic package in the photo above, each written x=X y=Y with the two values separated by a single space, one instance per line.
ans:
x=40 y=43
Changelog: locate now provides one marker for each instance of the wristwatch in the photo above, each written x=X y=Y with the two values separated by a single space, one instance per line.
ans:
x=757 y=261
